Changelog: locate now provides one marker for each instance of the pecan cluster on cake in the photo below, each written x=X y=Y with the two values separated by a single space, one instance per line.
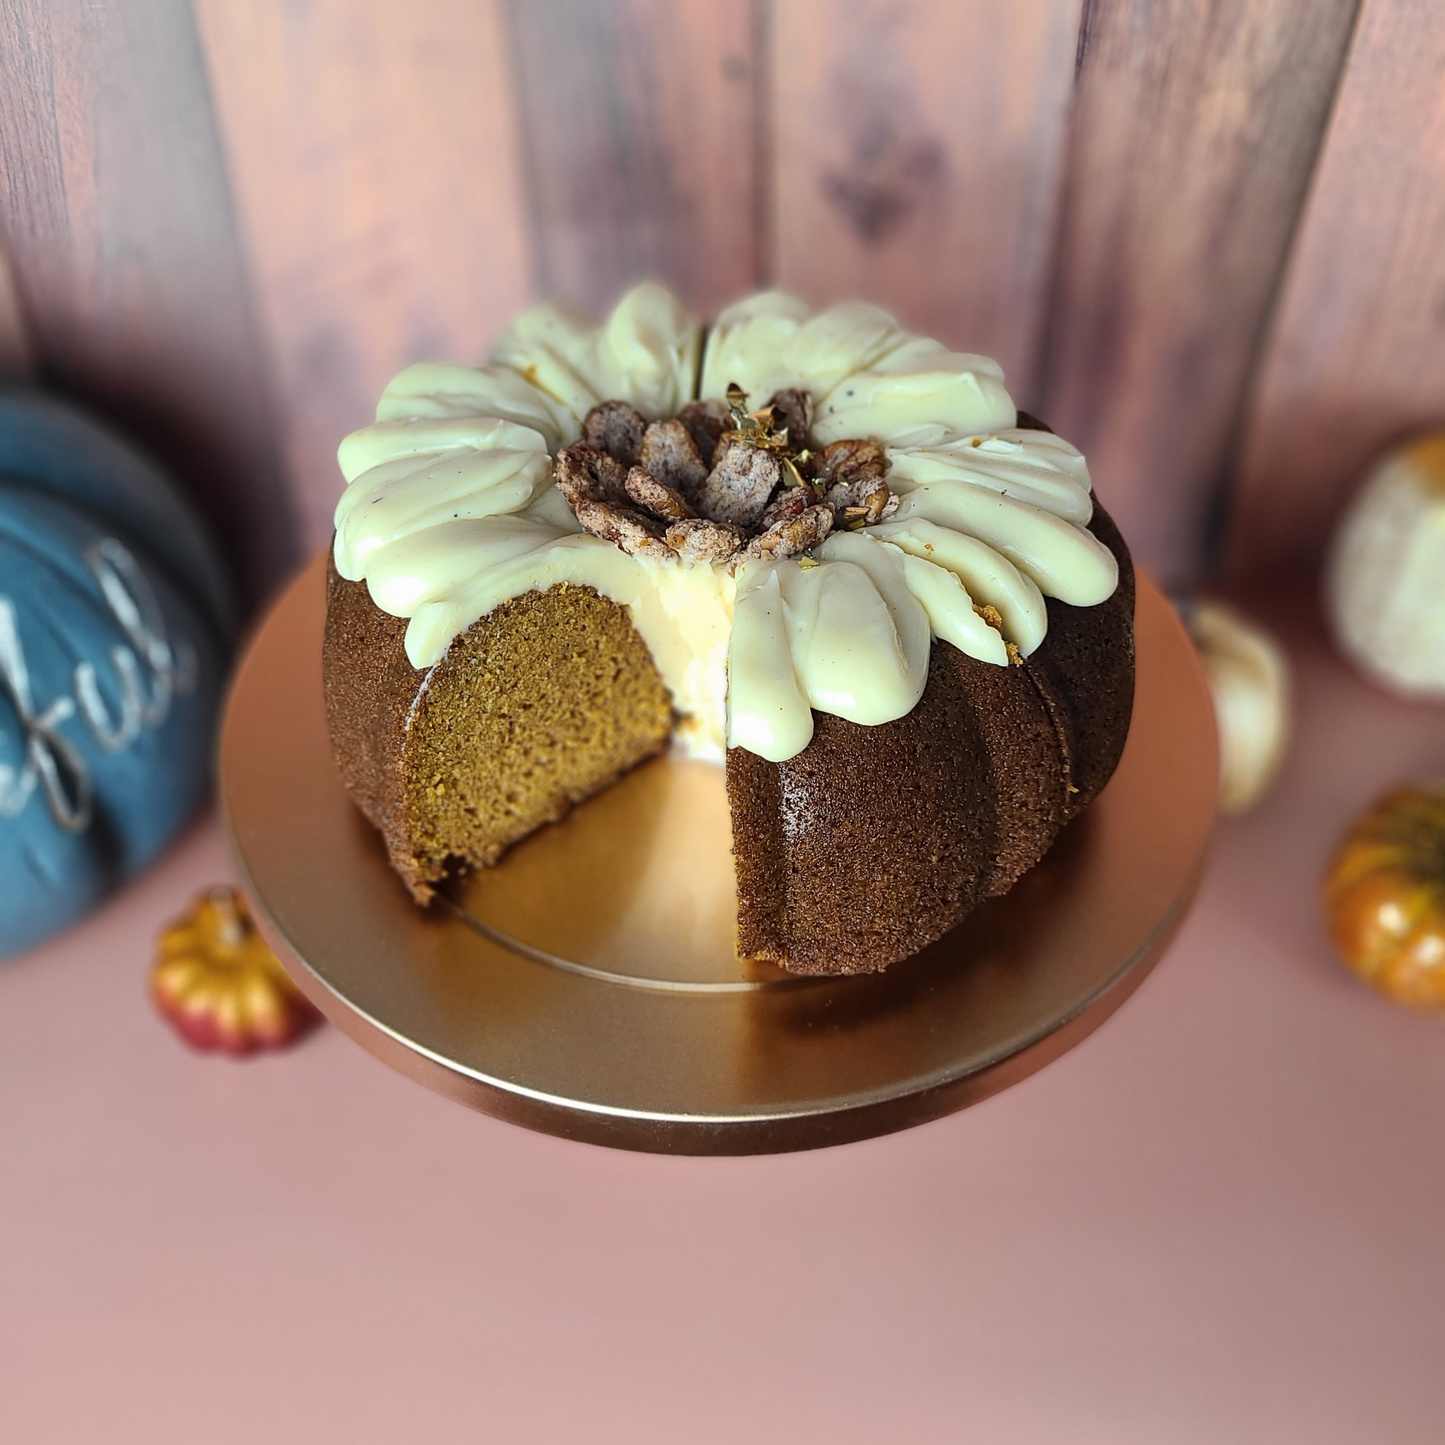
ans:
x=718 y=483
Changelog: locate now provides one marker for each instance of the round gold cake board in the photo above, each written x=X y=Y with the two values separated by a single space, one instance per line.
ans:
x=588 y=986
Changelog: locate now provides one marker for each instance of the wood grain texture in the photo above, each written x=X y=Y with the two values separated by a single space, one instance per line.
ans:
x=640 y=127
x=1194 y=133
x=374 y=158
x=116 y=214
x=1356 y=358
x=917 y=151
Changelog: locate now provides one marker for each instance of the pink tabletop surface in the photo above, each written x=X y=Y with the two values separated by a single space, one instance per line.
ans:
x=1219 y=1219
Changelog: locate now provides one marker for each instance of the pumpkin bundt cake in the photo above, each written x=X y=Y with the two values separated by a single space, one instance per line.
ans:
x=813 y=547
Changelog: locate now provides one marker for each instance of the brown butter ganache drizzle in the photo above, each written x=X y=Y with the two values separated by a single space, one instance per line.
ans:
x=719 y=483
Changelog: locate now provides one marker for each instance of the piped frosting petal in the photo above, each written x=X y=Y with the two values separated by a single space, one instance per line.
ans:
x=773 y=340
x=1063 y=560
x=1030 y=466
x=989 y=577
x=919 y=394
x=646 y=353
x=437 y=389
x=415 y=490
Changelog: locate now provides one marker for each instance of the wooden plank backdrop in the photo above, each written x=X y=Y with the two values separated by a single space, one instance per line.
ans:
x=121 y=238
x=640 y=130
x=1195 y=127
x=374 y=157
x=917 y=158
x=1206 y=240
x=1357 y=355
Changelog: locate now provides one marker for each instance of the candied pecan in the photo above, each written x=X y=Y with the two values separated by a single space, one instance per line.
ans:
x=792 y=535
x=859 y=502
x=637 y=534
x=790 y=502
x=696 y=539
x=616 y=428
x=657 y=497
x=671 y=455
x=793 y=412
x=848 y=461
x=705 y=421
x=739 y=486
x=882 y=502
x=586 y=474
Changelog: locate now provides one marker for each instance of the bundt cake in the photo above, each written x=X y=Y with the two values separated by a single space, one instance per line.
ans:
x=813 y=547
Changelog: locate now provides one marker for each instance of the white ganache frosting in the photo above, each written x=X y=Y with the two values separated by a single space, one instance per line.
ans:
x=450 y=510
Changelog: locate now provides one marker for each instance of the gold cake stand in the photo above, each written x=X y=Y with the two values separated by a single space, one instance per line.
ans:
x=588 y=985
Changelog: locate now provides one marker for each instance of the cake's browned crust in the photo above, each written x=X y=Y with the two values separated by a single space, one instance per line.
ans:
x=370 y=687
x=1085 y=671
x=1085 y=668
x=543 y=702
x=859 y=851
x=871 y=841
x=874 y=841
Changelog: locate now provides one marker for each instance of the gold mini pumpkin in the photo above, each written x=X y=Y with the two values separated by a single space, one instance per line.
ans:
x=220 y=986
x=1249 y=684
x=1385 y=897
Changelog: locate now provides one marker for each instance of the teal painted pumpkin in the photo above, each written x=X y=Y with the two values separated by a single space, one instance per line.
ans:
x=115 y=619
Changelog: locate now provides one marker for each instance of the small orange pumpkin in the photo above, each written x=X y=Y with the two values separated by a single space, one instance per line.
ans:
x=220 y=987
x=1385 y=897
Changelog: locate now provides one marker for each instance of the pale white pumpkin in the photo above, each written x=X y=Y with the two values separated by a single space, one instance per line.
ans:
x=1385 y=579
x=1250 y=684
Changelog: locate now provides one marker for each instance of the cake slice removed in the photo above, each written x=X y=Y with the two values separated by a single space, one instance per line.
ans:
x=545 y=701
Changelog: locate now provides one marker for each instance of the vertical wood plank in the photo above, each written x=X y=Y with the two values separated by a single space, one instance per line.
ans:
x=374 y=158
x=1195 y=130
x=640 y=131
x=1356 y=357
x=917 y=151
x=118 y=221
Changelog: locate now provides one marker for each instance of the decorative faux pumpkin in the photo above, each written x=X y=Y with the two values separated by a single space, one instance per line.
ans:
x=1385 y=581
x=1249 y=683
x=219 y=985
x=1385 y=897
x=114 y=619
